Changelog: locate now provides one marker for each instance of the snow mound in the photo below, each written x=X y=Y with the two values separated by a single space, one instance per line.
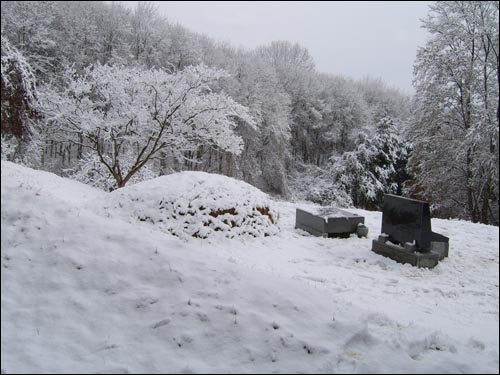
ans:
x=198 y=204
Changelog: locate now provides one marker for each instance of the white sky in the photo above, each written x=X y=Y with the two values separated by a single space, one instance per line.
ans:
x=355 y=39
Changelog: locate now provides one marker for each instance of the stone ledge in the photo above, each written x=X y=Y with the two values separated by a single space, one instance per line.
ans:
x=406 y=256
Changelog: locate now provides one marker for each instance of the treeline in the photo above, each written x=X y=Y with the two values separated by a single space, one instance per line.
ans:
x=316 y=136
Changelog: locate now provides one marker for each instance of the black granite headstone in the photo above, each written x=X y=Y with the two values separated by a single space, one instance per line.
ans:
x=407 y=220
x=406 y=233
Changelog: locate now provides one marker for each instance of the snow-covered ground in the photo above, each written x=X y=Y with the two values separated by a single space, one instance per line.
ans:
x=84 y=290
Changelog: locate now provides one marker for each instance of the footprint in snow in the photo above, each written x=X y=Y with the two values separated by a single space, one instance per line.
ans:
x=203 y=317
x=105 y=346
x=145 y=301
x=161 y=323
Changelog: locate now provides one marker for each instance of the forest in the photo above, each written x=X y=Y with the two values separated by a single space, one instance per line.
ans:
x=111 y=96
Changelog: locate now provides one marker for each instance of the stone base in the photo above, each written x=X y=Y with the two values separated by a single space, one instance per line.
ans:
x=441 y=248
x=408 y=253
x=310 y=230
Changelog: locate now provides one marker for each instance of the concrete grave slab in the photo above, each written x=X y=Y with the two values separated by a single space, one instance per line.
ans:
x=330 y=222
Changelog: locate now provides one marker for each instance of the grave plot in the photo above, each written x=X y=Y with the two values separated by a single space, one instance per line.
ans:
x=406 y=233
x=330 y=222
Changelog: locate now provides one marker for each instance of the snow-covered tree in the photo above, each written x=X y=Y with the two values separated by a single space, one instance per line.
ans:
x=383 y=100
x=376 y=167
x=149 y=39
x=114 y=30
x=345 y=114
x=184 y=49
x=263 y=160
x=294 y=70
x=126 y=116
x=79 y=42
x=29 y=27
x=456 y=126
x=17 y=99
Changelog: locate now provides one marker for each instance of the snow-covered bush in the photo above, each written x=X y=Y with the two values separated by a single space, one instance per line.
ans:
x=316 y=184
x=197 y=204
x=27 y=153
x=9 y=145
x=330 y=194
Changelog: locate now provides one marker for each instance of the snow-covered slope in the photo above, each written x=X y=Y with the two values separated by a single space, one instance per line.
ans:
x=83 y=292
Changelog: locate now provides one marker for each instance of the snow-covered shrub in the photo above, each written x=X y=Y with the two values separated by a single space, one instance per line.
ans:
x=330 y=195
x=197 y=204
x=27 y=153
x=9 y=146
x=317 y=185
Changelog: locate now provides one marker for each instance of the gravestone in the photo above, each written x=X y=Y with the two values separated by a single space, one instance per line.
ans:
x=406 y=233
x=330 y=222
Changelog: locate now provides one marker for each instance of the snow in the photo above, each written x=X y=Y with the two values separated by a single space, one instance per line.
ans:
x=195 y=204
x=89 y=290
x=331 y=212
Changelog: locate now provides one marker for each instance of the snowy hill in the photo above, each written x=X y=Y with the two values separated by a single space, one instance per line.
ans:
x=85 y=290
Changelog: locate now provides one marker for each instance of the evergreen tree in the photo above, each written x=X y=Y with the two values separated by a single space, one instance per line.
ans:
x=376 y=167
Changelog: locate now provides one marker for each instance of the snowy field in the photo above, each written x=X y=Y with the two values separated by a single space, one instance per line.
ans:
x=85 y=290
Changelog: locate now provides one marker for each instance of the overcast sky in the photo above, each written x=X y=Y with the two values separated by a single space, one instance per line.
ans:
x=354 y=39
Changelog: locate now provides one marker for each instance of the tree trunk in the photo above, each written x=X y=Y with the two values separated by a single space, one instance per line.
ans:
x=486 y=203
x=470 y=190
